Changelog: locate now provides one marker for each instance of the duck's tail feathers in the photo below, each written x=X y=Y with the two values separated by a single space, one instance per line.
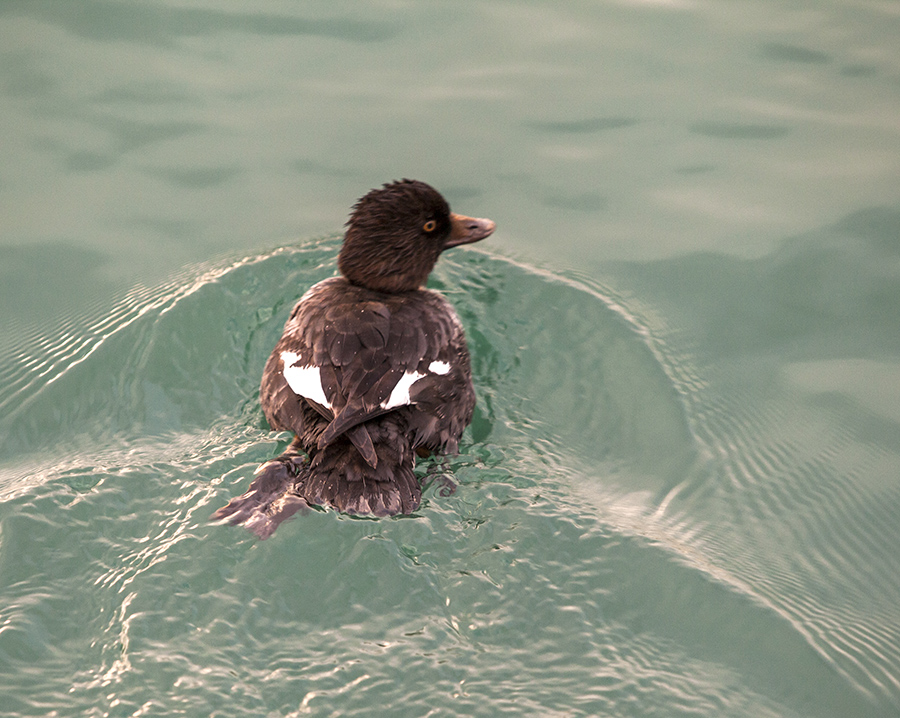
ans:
x=271 y=498
x=337 y=475
x=341 y=477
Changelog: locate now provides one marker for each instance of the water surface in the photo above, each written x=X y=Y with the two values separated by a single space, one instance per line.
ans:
x=679 y=494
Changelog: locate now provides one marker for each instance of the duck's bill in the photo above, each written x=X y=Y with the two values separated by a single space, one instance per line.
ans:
x=465 y=230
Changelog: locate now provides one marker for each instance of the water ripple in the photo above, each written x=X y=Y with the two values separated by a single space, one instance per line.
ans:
x=624 y=531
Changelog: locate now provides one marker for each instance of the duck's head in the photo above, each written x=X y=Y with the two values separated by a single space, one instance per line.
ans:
x=396 y=234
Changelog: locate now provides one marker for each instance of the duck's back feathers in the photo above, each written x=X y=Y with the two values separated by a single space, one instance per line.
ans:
x=349 y=355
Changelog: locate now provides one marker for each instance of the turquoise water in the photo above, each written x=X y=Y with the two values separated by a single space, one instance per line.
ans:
x=680 y=494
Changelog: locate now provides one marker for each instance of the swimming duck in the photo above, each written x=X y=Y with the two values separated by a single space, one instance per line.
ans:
x=372 y=368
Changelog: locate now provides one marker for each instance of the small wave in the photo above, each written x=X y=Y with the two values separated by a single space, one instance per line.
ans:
x=591 y=430
x=46 y=360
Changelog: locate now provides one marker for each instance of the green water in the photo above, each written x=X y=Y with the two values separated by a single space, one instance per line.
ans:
x=680 y=494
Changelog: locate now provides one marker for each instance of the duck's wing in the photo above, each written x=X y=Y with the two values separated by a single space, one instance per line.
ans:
x=353 y=355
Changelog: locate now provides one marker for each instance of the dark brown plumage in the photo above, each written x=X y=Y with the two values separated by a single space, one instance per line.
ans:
x=371 y=368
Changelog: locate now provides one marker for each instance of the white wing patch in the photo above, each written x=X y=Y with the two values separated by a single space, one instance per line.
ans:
x=305 y=380
x=439 y=367
x=400 y=395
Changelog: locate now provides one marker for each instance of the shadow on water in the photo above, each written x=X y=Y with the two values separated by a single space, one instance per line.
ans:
x=137 y=23
x=611 y=532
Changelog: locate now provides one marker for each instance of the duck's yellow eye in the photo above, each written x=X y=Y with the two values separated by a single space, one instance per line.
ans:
x=429 y=226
